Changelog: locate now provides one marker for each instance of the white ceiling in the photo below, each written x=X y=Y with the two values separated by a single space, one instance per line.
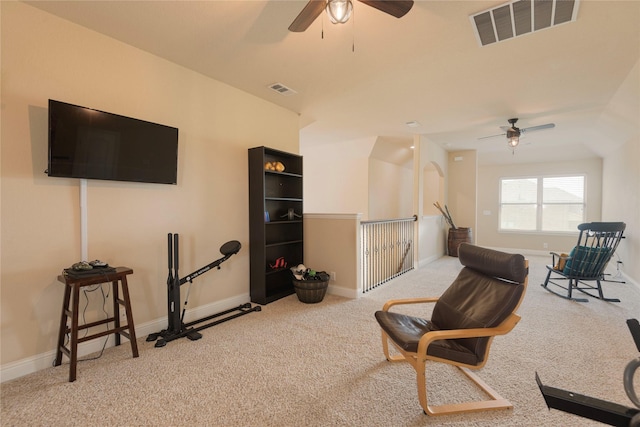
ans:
x=369 y=77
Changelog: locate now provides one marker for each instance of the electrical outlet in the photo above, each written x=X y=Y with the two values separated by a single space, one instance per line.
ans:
x=123 y=315
x=333 y=276
x=545 y=245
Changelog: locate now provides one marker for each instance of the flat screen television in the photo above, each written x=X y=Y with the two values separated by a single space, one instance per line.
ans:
x=92 y=144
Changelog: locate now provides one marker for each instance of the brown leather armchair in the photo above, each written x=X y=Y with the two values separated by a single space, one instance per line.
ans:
x=480 y=304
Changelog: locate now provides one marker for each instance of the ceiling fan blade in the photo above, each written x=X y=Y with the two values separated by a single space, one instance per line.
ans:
x=397 y=8
x=541 y=127
x=492 y=136
x=513 y=129
x=311 y=11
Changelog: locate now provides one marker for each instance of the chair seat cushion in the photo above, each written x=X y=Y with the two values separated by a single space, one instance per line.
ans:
x=587 y=261
x=406 y=332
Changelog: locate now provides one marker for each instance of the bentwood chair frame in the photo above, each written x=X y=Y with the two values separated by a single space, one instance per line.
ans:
x=418 y=358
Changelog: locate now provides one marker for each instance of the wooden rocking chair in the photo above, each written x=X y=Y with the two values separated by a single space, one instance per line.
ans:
x=586 y=262
x=480 y=304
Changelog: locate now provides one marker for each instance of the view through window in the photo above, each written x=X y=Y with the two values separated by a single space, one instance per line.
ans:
x=554 y=204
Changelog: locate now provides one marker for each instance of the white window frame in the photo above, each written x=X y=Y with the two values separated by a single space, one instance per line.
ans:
x=539 y=203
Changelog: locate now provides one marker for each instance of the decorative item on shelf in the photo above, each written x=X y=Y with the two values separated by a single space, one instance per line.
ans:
x=310 y=285
x=280 y=263
x=274 y=166
x=291 y=215
x=456 y=235
x=267 y=218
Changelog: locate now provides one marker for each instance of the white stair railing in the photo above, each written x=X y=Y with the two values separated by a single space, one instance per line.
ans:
x=387 y=250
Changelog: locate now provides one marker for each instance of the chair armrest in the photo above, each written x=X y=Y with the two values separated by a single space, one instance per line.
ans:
x=504 y=328
x=393 y=302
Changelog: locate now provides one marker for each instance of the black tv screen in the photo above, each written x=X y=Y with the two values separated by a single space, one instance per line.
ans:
x=92 y=144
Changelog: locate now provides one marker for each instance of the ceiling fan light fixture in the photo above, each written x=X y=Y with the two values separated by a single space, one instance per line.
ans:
x=339 y=11
x=513 y=135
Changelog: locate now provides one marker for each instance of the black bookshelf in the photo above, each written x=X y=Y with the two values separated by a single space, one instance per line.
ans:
x=275 y=222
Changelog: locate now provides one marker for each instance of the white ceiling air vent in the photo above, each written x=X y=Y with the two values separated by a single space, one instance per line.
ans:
x=282 y=89
x=521 y=17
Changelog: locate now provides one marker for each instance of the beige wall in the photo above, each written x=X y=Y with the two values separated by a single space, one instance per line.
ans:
x=621 y=170
x=432 y=230
x=336 y=177
x=433 y=184
x=462 y=188
x=45 y=57
x=487 y=233
x=390 y=190
x=332 y=244
x=621 y=201
x=342 y=178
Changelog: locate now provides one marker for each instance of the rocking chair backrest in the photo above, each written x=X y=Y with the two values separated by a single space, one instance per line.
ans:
x=596 y=244
x=488 y=289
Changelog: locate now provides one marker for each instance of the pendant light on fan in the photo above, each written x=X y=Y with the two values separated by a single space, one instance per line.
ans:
x=513 y=133
x=339 y=11
x=513 y=136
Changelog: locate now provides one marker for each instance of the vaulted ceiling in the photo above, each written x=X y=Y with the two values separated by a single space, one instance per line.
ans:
x=371 y=76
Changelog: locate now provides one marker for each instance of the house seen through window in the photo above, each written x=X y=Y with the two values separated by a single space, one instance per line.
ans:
x=555 y=204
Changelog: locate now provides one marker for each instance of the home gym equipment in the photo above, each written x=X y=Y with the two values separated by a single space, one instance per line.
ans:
x=597 y=409
x=176 y=327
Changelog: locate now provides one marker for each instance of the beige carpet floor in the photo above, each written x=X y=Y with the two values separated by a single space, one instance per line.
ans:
x=295 y=364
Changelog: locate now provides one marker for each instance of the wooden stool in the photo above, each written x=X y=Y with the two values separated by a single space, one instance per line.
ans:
x=73 y=284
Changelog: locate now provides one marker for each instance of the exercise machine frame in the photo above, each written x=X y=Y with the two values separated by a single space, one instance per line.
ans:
x=176 y=327
x=597 y=409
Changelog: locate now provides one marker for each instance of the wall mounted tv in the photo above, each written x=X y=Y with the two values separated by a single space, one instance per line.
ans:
x=92 y=144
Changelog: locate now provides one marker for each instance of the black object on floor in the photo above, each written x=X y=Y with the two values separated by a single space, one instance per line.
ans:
x=176 y=327
x=597 y=409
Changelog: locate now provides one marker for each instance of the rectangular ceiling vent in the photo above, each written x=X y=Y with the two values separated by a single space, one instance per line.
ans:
x=282 y=89
x=521 y=17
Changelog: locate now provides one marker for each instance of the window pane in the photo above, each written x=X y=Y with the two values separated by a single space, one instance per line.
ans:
x=562 y=217
x=567 y=189
x=557 y=205
x=519 y=190
x=518 y=217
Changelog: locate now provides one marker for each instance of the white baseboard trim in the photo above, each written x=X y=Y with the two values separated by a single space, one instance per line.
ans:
x=343 y=292
x=355 y=293
x=29 y=365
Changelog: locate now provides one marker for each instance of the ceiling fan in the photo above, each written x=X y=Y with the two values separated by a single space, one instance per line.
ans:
x=513 y=133
x=339 y=11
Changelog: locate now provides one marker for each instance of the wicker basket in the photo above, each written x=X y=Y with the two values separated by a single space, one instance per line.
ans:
x=310 y=291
